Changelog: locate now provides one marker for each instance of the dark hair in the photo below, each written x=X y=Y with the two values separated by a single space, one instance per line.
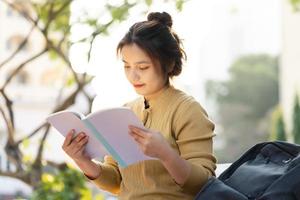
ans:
x=158 y=40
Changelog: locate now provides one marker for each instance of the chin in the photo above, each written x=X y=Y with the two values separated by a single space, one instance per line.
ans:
x=140 y=92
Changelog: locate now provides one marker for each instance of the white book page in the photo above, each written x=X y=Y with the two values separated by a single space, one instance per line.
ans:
x=113 y=124
x=64 y=121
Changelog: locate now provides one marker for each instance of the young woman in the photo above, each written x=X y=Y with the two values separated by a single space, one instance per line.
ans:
x=178 y=132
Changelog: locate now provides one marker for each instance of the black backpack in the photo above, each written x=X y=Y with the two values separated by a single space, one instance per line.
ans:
x=267 y=171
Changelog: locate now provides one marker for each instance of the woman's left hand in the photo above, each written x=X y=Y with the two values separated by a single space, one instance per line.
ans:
x=152 y=143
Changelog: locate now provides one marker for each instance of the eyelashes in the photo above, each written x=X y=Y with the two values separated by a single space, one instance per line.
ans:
x=140 y=68
x=143 y=68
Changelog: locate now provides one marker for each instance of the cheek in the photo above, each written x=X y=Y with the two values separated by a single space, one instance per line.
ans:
x=127 y=74
x=160 y=77
x=148 y=76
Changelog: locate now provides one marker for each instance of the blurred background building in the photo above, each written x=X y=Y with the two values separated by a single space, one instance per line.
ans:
x=33 y=90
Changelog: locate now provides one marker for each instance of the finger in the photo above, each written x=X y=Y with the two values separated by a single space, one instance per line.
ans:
x=79 y=137
x=68 y=138
x=76 y=140
x=80 y=145
x=138 y=131
x=134 y=135
x=137 y=138
x=84 y=140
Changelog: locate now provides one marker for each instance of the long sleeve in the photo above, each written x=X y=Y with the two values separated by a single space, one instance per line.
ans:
x=110 y=177
x=193 y=134
x=186 y=127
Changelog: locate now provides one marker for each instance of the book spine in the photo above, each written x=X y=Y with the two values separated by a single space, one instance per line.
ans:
x=108 y=147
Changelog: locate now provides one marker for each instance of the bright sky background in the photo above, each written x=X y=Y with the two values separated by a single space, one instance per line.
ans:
x=214 y=33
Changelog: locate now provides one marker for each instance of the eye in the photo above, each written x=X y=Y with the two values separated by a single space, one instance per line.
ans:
x=143 y=68
x=126 y=67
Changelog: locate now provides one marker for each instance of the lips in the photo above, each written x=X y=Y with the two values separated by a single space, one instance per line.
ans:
x=138 y=85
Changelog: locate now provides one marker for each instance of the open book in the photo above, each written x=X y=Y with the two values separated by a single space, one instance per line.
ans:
x=107 y=130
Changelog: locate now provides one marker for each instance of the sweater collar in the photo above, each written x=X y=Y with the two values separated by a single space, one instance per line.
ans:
x=159 y=99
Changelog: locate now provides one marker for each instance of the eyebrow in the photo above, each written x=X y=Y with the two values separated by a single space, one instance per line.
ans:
x=139 y=62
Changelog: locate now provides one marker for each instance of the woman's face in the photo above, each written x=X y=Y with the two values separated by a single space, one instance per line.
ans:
x=145 y=76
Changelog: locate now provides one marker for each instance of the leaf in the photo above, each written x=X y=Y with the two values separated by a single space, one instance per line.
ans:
x=70 y=81
x=26 y=143
x=47 y=178
x=148 y=2
x=120 y=13
x=296 y=5
x=52 y=54
x=86 y=194
x=92 y=22
x=27 y=158
x=179 y=4
x=99 y=197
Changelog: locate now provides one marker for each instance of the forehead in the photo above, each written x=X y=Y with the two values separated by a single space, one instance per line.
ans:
x=133 y=53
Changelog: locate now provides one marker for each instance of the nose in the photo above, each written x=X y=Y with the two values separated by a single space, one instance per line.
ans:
x=134 y=75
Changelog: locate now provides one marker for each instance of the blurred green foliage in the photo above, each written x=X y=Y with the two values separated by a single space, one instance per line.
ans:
x=296 y=120
x=277 y=125
x=295 y=4
x=66 y=184
x=244 y=102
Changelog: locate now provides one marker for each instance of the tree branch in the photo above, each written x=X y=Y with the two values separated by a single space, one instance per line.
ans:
x=21 y=66
x=22 y=44
x=8 y=103
x=41 y=147
x=37 y=164
x=11 y=174
x=8 y=125
x=32 y=133
x=53 y=14
x=68 y=102
x=63 y=56
x=24 y=14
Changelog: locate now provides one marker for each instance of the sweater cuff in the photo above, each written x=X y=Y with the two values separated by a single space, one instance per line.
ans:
x=91 y=178
x=106 y=179
x=105 y=175
x=197 y=178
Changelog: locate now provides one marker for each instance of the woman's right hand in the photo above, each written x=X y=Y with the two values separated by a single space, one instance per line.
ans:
x=74 y=147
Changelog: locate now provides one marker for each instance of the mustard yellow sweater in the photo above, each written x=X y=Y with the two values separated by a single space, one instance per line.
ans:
x=185 y=125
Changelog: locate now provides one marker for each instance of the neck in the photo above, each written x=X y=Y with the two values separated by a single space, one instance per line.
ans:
x=153 y=96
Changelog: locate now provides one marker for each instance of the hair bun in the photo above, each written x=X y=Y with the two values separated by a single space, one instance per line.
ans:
x=163 y=18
